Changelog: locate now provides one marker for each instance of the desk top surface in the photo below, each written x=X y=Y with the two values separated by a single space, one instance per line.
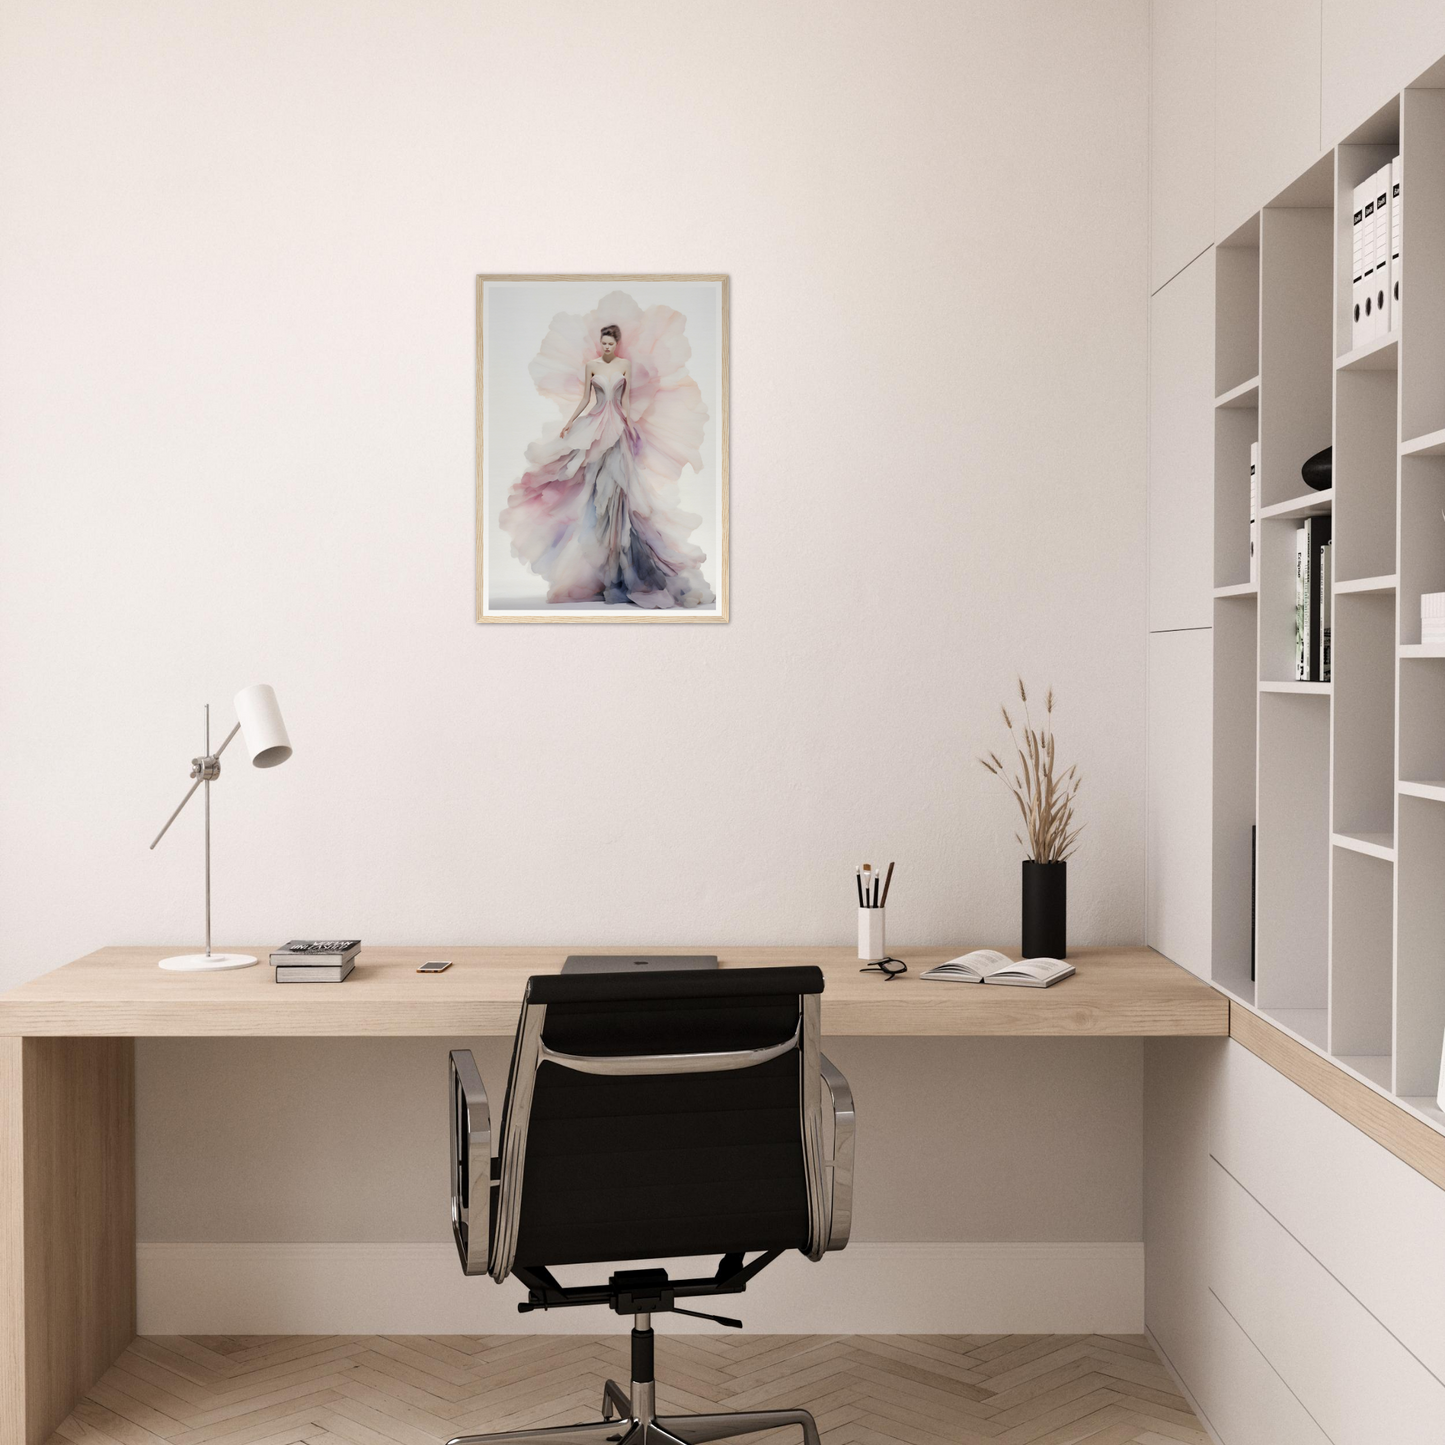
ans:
x=120 y=992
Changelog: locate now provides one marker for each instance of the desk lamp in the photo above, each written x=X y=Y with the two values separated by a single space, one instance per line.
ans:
x=258 y=720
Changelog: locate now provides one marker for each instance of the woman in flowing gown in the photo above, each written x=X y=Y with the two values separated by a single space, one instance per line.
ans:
x=596 y=512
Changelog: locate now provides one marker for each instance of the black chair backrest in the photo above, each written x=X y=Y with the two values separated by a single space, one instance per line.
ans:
x=647 y=1166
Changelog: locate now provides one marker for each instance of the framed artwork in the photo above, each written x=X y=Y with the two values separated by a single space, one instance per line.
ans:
x=602 y=449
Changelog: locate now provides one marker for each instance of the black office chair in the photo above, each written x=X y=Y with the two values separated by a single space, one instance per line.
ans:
x=650 y=1117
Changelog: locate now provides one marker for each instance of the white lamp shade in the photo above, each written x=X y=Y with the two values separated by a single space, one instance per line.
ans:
x=262 y=730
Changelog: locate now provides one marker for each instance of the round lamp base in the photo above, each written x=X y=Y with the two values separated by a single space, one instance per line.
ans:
x=207 y=962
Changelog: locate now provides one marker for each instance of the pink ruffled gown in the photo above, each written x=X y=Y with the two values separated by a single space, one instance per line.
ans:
x=595 y=514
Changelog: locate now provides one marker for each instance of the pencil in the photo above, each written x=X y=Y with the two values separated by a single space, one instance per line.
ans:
x=858 y=879
x=887 y=883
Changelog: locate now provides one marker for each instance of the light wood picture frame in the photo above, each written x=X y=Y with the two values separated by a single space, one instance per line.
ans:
x=602 y=469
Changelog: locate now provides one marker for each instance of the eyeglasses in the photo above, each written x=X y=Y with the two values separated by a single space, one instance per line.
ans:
x=890 y=968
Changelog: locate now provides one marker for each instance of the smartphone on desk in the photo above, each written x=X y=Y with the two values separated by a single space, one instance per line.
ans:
x=435 y=965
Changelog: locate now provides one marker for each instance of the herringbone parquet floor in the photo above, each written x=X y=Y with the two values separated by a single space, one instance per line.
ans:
x=419 y=1390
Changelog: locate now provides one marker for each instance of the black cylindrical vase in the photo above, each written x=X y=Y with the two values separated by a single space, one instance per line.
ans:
x=1046 y=909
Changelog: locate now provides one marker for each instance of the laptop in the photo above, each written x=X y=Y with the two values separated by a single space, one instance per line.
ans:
x=637 y=962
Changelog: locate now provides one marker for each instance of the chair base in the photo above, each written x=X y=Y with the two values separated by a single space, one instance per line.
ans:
x=640 y=1427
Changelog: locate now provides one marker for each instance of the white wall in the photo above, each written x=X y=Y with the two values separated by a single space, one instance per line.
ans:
x=236 y=367
x=1012 y=1140
x=303 y=1189
x=237 y=254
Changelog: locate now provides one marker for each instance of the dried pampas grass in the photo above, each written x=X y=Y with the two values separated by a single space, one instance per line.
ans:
x=1046 y=801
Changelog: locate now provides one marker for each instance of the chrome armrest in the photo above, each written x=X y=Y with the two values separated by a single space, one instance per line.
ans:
x=840 y=1166
x=471 y=1126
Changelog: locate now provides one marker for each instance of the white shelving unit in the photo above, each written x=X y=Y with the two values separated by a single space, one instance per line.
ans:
x=1344 y=781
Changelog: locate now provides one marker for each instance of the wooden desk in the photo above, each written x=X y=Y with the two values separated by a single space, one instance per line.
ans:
x=67 y=1092
x=119 y=992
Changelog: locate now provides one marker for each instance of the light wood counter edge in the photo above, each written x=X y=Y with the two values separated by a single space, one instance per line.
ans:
x=1409 y=1139
x=1120 y=992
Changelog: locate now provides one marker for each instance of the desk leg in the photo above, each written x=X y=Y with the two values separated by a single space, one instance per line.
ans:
x=67 y=1224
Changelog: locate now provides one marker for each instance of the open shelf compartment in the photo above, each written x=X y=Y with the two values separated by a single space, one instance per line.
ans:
x=1294 y=854
x=1236 y=707
x=1420 y=966
x=1236 y=313
x=1362 y=906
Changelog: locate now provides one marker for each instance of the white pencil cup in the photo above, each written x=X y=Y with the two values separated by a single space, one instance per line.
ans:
x=871 y=946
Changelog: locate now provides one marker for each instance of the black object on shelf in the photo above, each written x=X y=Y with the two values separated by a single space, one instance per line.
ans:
x=1319 y=471
x=1046 y=907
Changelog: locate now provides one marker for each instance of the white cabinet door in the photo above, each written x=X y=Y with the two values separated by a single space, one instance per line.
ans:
x=1181 y=134
x=1178 y=900
x=1181 y=450
x=1245 y=1400
x=1366 y=1216
x=1266 y=103
x=1358 y=1382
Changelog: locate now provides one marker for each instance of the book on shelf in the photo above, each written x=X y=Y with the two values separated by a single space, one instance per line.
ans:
x=314 y=972
x=1326 y=606
x=1301 y=606
x=1254 y=513
x=988 y=965
x=1317 y=536
x=1432 y=617
x=1309 y=615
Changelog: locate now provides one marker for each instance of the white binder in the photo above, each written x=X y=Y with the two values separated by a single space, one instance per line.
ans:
x=1367 y=323
x=1396 y=225
x=1382 y=251
x=1254 y=513
x=1357 y=268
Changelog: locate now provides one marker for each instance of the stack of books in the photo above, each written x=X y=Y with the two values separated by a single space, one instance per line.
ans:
x=1254 y=514
x=1312 y=601
x=315 y=960
x=1432 y=618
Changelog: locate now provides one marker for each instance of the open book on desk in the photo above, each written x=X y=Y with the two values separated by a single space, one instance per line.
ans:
x=987 y=965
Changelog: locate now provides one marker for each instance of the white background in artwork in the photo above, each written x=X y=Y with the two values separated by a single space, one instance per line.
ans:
x=516 y=318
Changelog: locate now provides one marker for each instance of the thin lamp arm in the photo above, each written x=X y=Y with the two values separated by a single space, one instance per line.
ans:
x=193 y=787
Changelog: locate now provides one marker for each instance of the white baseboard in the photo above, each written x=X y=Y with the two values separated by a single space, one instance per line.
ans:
x=312 y=1289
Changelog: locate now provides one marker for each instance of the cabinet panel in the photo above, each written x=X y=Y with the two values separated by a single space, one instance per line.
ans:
x=1371 y=51
x=1181 y=1081
x=1266 y=102
x=1333 y=1188
x=1178 y=897
x=1181 y=134
x=1245 y=1400
x=1181 y=450
x=1356 y=1380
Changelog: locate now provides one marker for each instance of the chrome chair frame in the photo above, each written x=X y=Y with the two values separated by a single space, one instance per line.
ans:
x=485 y=1227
